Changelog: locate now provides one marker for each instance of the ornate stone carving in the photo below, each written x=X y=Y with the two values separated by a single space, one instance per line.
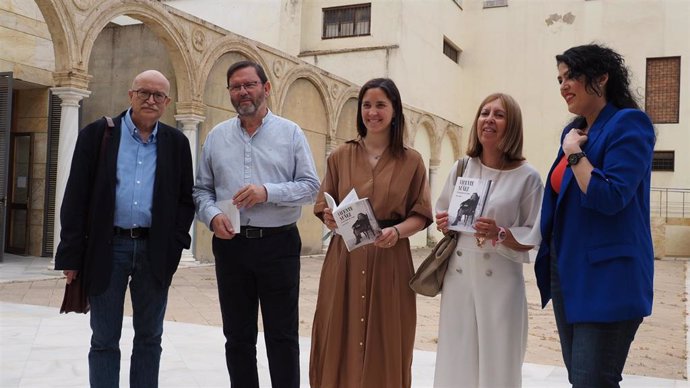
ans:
x=279 y=68
x=83 y=4
x=335 y=90
x=198 y=39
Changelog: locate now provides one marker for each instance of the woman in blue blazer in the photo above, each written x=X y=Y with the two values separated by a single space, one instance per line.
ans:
x=596 y=260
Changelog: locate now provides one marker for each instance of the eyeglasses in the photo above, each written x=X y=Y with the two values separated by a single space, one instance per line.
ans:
x=249 y=86
x=144 y=95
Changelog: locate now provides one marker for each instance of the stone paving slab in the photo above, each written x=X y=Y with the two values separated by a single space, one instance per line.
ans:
x=658 y=351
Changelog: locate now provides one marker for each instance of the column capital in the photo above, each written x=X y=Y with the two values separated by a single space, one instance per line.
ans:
x=72 y=79
x=190 y=119
x=70 y=96
x=331 y=145
x=196 y=108
x=434 y=163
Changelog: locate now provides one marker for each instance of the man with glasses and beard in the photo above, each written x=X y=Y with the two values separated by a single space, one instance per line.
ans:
x=262 y=163
x=125 y=219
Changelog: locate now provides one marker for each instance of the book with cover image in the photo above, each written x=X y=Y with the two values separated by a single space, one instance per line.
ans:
x=467 y=203
x=355 y=219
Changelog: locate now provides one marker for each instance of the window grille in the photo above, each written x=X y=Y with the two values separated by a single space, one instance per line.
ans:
x=495 y=3
x=451 y=51
x=663 y=161
x=346 y=21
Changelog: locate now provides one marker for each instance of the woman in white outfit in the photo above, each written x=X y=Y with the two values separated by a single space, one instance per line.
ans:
x=483 y=326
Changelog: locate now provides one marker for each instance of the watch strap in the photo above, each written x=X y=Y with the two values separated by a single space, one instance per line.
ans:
x=574 y=159
x=501 y=236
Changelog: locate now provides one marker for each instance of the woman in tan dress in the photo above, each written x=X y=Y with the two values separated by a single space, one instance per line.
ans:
x=364 y=324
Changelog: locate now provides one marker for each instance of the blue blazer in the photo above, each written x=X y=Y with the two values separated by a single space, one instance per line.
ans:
x=603 y=238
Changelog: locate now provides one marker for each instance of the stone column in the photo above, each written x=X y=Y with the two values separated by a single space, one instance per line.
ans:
x=69 y=130
x=190 y=127
x=330 y=146
x=433 y=173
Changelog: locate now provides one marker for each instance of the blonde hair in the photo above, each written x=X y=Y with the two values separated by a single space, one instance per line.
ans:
x=511 y=144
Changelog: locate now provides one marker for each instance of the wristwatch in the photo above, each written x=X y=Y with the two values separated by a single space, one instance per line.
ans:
x=573 y=159
x=500 y=237
x=502 y=234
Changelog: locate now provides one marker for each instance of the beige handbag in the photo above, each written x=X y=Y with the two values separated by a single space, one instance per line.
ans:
x=428 y=280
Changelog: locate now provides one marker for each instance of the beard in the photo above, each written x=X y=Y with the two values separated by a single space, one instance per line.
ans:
x=248 y=109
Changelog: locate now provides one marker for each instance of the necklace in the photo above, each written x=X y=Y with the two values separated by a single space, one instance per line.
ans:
x=481 y=240
x=375 y=156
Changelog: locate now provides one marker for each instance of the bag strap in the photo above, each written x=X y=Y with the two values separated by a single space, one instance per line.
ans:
x=462 y=164
x=106 y=134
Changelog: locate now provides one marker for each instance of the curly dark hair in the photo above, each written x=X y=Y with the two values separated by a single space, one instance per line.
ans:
x=397 y=131
x=594 y=60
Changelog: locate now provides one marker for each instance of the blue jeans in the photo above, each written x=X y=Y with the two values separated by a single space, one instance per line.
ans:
x=593 y=352
x=149 y=301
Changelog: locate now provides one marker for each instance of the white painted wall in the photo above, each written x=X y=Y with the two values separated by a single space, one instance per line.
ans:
x=509 y=49
x=513 y=51
x=272 y=22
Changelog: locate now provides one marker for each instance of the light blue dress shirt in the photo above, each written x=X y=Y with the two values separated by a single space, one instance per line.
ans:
x=136 y=174
x=277 y=156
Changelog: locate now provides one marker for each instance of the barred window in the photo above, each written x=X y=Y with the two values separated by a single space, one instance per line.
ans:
x=350 y=20
x=662 y=92
x=495 y=3
x=451 y=51
x=663 y=161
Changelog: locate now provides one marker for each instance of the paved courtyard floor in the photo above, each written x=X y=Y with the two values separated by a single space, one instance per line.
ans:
x=41 y=348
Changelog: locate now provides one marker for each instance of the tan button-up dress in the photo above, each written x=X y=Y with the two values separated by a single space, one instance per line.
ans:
x=364 y=324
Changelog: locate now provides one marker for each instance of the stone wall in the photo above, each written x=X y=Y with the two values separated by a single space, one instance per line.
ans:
x=671 y=237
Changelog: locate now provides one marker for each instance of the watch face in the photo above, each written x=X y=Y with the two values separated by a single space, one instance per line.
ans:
x=574 y=158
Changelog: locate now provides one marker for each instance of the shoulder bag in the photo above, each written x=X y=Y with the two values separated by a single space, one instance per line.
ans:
x=428 y=280
x=76 y=299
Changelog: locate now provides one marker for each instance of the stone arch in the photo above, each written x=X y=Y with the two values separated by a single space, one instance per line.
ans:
x=302 y=98
x=304 y=72
x=427 y=122
x=161 y=23
x=229 y=44
x=453 y=134
x=338 y=106
x=61 y=28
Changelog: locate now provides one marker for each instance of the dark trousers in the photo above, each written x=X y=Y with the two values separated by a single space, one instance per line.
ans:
x=149 y=300
x=593 y=352
x=261 y=271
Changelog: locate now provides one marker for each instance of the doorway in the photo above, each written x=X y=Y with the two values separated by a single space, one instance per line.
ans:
x=19 y=193
x=5 y=116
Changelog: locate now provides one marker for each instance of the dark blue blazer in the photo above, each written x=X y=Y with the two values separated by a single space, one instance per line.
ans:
x=603 y=238
x=88 y=206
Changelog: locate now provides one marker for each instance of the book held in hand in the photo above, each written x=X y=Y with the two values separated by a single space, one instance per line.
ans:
x=355 y=219
x=231 y=211
x=467 y=203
